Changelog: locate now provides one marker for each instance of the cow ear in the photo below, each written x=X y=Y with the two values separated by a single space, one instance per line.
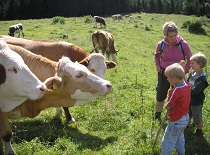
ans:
x=84 y=62
x=110 y=64
x=53 y=83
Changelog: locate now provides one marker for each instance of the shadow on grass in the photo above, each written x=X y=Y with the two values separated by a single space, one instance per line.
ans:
x=52 y=129
x=195 y=145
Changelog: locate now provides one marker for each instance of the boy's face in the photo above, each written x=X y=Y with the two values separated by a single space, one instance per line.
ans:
x=196 y=67
x=171 y=80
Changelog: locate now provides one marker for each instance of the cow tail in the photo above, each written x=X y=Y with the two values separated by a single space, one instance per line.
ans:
x=94 y=48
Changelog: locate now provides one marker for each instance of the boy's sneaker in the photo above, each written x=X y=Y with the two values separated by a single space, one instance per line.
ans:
x=157 y=115
x=199 y=132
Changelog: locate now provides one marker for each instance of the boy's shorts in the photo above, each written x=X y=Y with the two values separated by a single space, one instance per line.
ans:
x=196 y=113
x=162 y=87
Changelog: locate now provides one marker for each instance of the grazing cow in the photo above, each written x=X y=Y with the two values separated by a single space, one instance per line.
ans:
x=139 y=17
x=117 y=17
x=63 y=36
x=17 y=82
x=69 y=84
x=104 y=41
x=100 y=20
x=54 y=50
x=18 y=28
x=94 y=62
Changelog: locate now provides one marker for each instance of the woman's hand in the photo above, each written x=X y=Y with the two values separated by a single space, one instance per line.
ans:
x=183 y=64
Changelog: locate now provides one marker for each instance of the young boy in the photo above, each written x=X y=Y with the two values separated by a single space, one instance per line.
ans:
x=178 y=107
x=198 y=83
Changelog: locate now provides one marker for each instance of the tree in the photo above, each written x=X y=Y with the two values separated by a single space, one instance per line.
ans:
x=160 y=7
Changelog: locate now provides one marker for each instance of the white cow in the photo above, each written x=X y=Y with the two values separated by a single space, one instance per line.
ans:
x=17 y=82
x=17 y=28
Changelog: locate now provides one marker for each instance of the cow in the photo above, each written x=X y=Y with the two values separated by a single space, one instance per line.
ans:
x=117 y=17
x=104 y=41
x=100 y=20
x=98 y=58
x=17 y=28
x=63 y=36
x=95 y=63
x=17 y=82
x=68 y=83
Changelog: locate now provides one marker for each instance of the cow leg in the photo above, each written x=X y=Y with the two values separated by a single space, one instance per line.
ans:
x=23 y=34
x=59 y=111
x=69 y=118
x=6 y=133
x=114 y=57
x=97 y=48
x=103 y=51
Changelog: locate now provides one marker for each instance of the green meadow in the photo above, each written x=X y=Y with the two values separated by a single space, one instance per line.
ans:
x=122 y=122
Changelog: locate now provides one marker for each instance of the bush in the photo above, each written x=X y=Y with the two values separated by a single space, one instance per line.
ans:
x=88 y=19
x=58 y=19
x=194 y=27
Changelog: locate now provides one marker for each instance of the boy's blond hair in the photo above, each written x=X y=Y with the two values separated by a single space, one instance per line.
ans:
x=169 y=27
x=200 y=59
x=175 y=70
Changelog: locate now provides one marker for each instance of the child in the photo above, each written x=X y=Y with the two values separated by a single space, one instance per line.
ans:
x=198 y=83
x=178 y=107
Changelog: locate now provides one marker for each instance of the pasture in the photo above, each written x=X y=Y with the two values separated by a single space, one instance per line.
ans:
x=122 y=122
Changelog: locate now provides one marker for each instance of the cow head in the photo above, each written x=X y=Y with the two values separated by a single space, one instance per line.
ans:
x=96 y=63
x=17 y=82
x=11 y=34
x=75 y=82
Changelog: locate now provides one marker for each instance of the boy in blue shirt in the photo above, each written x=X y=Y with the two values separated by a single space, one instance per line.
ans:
x=198 y=83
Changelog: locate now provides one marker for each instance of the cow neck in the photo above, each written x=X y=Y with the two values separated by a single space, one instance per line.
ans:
x=42 y=67
x=32 y=109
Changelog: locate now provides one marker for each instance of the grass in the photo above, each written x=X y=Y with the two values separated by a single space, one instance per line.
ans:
x=122 y=122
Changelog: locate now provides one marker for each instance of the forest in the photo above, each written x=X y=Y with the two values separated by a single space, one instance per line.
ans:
x=38 y=9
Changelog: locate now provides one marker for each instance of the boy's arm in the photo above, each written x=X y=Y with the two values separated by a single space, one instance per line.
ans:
x=198 y=87
x=167 y=107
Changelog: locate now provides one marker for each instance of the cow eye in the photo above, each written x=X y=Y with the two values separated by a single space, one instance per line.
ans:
x=93 y=70
x=79 y=75
x=13 y=70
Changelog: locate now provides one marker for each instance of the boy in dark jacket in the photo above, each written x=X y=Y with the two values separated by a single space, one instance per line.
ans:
x=198 y=83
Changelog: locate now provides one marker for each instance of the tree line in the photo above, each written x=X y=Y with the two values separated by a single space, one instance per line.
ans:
x=37 y=9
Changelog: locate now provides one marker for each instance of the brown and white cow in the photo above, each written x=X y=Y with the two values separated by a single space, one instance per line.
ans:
x=54 y=50
x=104 y=40
x=117 y=17
x=17 y=28
x=69 y=84
x=17 y=82
x=100 y=20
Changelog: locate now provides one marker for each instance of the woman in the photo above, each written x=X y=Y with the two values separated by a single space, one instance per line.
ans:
x=172 y=49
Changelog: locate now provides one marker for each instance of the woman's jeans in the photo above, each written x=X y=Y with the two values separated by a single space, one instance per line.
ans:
x=174 y=137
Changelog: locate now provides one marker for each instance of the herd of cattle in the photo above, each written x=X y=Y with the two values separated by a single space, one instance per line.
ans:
x=38 y=74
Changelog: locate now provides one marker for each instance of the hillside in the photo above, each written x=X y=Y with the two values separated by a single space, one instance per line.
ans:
x=122 y=122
